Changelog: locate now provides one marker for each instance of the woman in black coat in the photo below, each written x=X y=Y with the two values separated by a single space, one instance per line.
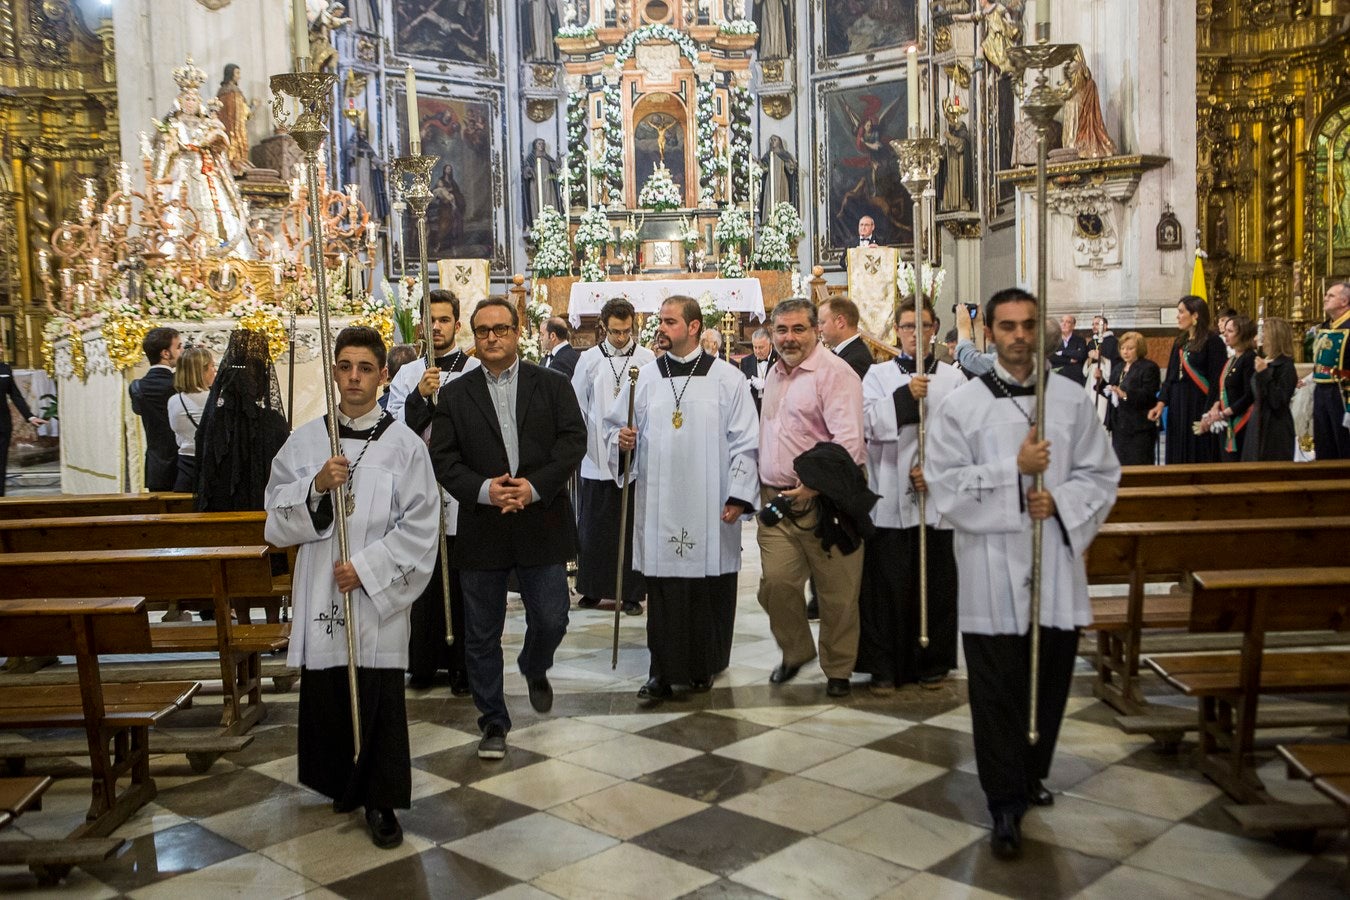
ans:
x=1193 y=367
x=1133 y=391
x=1271 y=434
x=1231 y=396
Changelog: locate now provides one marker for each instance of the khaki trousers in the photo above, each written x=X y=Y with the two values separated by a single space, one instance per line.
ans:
x=790 y=553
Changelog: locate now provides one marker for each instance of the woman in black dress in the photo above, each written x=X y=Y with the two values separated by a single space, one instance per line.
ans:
x=1132 y=393
x=1193 y=366
x=1231 y=396
x=1271 y=435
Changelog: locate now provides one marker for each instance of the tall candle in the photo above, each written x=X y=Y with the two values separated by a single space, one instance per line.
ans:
x=1042 y=14
x=300 y=29
x=276 y=273
x=414 y=124
x=589 y=180
x=912 y=88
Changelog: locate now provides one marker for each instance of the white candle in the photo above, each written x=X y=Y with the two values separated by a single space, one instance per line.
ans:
x=124 y=176
x=539 y=181
x=79 y=296
x=300 y=29
x=912 y=88
x=103 y=228
x=589 y=180
x=224 y=273
x=42 y=261
x=276 y=274
x=1042 y=14
x=122 y=213
x=93 y=268
x=414 y=123
x=146 y=152
x=295 y=189
x=276 y=250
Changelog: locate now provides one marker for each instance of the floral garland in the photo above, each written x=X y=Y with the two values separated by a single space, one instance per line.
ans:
x=552 y=255
x=741 y=104
x=655 y=32
x=612 y=161
x=711 y=166
x=576 y=31
x=576 y=147
x=738 y=26
x=266 y=319
x=660 y=192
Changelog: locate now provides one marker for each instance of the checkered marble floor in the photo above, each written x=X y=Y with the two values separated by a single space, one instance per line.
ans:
x=747 y=791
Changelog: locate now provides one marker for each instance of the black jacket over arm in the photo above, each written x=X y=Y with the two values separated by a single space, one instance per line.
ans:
x=150 y=400
x=467 y=449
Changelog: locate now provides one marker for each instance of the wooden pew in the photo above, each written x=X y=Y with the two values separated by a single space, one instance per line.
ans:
x=1140 y=553
x=1233 y=473
x=1337 y=787
x=116 y=718
x=170 y=574
x=18 y=795
x=1327 y=767
x=1267 y=500
x=53 y=505
x=1257 y=603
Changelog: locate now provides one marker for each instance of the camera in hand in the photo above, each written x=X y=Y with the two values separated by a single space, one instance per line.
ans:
x=775 y=511
x=971 y=309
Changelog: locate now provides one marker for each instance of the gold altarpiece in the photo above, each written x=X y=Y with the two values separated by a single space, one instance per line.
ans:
x=58 y=115
x=1273 y=152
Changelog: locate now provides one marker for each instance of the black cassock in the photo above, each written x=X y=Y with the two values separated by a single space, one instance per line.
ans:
x=382 y=778
x=598 y=547
x=888 y=645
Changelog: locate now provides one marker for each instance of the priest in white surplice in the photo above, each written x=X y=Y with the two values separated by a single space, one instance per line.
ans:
x=601 y=373
x=888 y=605
x=384 y=478
x=696 y=440
x=412 y=400
x=982 y=457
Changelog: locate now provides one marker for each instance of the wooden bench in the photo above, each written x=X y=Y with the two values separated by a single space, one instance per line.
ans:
x=54 y=505
x=1256 y=603
x=1337 y=788
x=1266 y=500
x=1233 y=473
x=1327 y=766
x=1142 y=553
x=116 y=718
x=18 y=795
x=223 y=573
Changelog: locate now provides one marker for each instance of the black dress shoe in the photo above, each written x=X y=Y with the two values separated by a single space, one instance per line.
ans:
x=1006 y=841
x=588 y=603
x=654 y=691
x=1039 y=795
x=459 y=685
x=837 y=687
x=420 y=682
x=700 y=685
x=783 y=673
x=632 y=608
x=385 y=831
x=541 y=693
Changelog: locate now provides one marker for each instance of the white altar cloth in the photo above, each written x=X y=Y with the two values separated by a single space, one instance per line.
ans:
x=737 y=295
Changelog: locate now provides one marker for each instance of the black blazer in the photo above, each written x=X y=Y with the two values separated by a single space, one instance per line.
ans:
x=749 y=369
x=150 y=400
x=858 y=356
x=1141 y=385
x=564 y=360
x=467 y=449
x=1271 y=432
x=1068 y=359
x=9 y=390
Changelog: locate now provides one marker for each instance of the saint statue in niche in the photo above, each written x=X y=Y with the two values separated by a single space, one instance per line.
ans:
x=1002 y=28
x=780 y=178
x=958 y=171
x=1084 y=129
x=775 y=24
x=539 y=177
x=540 y=27
x=234 y=112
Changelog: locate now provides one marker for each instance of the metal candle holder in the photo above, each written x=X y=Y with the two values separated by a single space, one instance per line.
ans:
x=1040 y=102
x=919 y=159
x=313 y=93
x=412 y=185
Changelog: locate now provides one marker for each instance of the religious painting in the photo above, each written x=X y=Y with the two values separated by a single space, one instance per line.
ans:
x=459 y=133
x=659 y=140
x=455 y=31
x=1330 y=247
x=1001 y=122
x=856 y=27
x=859 y=122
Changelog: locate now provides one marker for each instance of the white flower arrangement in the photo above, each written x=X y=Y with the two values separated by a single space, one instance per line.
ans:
x=785 y=219
x=731 y=265
x=164 y=296
x=647 y=334
x=733 y=226
x=250 y=306
x=738 y=26
x=628 y=238
x=591 y=270
x=660 y=192
x=772 y=251
x=689 y=235
x=552 y=253
x=593 y=230
x=576 y=31
x=537 y=313
x=929 y=282
x=711 y=312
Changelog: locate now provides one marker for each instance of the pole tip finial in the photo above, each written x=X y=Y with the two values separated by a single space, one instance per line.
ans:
x=1033 y=737
x=633 y=373
x=817 y=271
x=517 y=279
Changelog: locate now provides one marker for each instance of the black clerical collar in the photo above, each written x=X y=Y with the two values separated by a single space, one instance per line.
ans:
x=361 y=434
x=671 y=367
x=452 y=361
x=1002 y=387
x=906 y=364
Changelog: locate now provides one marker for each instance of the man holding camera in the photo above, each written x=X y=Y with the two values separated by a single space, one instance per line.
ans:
x=695 y=433
x=812 y=396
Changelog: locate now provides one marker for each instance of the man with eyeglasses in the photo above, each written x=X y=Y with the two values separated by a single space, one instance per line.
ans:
x=505 y=439
x=601 y=373
x=888 y=605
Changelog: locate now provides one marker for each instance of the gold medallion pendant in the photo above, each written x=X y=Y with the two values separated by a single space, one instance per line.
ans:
x=349 y=501
x=616 y=389
x=677 y=419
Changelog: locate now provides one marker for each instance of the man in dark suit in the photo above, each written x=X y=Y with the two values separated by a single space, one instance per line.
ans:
x=1070 y=352
x=150 y=400
x=559 y=354
x=9 y=392
x=505 y=439
x=756 y=364
x=867 y=237
x=839 y=330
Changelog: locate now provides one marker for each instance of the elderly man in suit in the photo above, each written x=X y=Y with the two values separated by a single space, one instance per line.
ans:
x=756 y=364
x=1070 y=351
x=505 y=439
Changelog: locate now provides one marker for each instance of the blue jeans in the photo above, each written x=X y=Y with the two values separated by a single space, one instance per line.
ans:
x=544 y=590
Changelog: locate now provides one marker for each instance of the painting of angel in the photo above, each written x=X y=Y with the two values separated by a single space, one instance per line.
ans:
x=864 y=179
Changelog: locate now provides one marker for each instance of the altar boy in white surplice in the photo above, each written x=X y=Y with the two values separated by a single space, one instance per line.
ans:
x=384 y=478
x=696 y=440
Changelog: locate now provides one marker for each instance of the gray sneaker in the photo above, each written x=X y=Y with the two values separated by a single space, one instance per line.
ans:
x=493 y=744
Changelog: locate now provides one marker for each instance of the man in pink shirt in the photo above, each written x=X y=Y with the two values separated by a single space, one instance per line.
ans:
x=811 y=395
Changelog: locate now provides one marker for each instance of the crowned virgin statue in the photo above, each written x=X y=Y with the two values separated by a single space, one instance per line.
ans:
x=192 y=165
